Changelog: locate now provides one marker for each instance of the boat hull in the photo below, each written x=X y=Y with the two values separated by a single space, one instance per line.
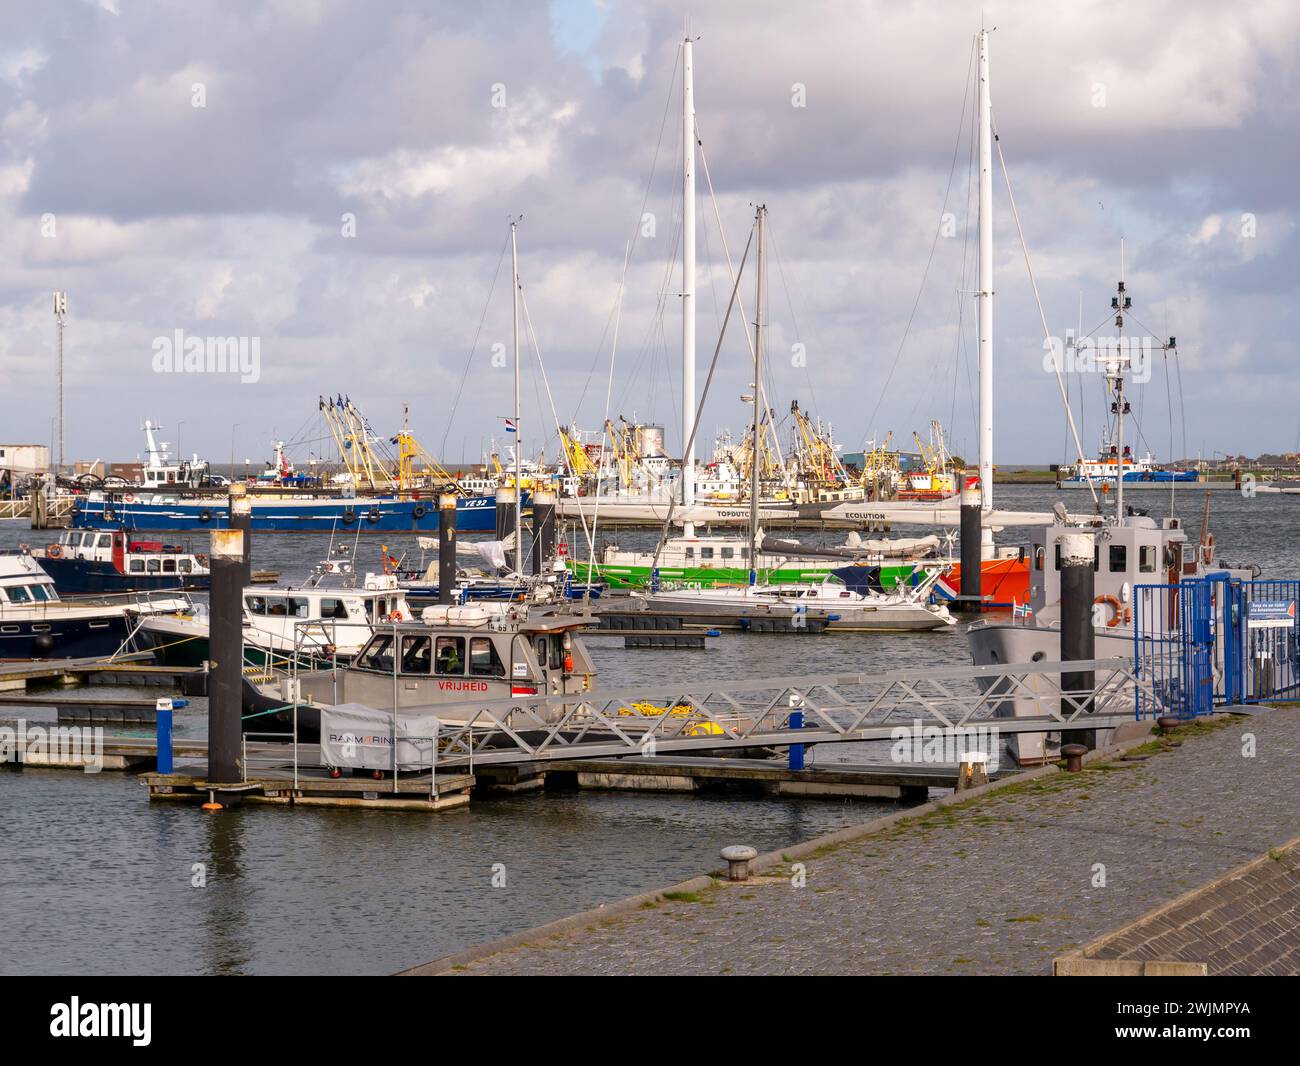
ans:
x=474 y=514
x=1000 y=643
x=618 y=576
x=62 y=638
x=82 y=577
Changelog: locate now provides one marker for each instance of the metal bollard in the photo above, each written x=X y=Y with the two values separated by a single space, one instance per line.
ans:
x=1074 y=754
x=738 y=858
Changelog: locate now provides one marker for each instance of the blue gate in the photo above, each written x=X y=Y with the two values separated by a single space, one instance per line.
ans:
x=1266 y=644
x=1215 y=641
x=1173 y=648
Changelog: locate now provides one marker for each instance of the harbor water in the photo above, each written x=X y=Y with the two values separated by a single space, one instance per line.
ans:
x=99 y=880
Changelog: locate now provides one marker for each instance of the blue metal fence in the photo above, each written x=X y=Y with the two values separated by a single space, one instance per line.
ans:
x=1215 y=641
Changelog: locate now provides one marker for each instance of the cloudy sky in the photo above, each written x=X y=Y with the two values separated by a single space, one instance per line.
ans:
x=335 y=180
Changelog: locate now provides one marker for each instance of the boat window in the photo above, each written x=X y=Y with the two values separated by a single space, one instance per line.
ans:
x=1118 y=558
x=744 y=553
x=557 y=652
x=690 y=553
x=137 y=566
x=728 y=553
x=255 y=604
x=169 y=566
x=706 y=553
x=1056 y=562
x=299 y=607
x=18 y=594
x=276 y=607
x=1040 y=557
x=1096 y=558
x=88 y=540
x=449 y=656
x=185 y=566
x=105 y=540
x=333 y=608
x=375 y=655
x=1147 y=559
x=415 y=655
x=483 y=658
x=153 y=566
x=42 y=593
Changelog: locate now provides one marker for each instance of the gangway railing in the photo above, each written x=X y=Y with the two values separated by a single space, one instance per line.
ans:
x=803 y=709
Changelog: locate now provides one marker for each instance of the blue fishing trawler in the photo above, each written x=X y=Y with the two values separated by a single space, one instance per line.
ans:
x=167 y=512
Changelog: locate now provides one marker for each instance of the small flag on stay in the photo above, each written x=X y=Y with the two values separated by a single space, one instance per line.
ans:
x=510 y=425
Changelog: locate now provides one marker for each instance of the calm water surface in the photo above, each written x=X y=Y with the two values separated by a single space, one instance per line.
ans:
x=100 y=879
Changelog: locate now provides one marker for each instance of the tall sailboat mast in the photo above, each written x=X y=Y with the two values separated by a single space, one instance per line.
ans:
x=688 y=280
x=760 y=310
x=984 y=297
x=1119 y=405
x=519 y=492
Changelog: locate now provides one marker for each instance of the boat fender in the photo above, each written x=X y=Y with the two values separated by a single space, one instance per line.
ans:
x=1120 y=611
x=349 y=515
x=396 y=616
x=1207 y=550
x=205 y=515
x=373 y=515
x=54 y=551
x=418 y=511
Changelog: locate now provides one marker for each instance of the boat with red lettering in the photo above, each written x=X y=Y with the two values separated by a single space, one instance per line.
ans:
x=450 y=655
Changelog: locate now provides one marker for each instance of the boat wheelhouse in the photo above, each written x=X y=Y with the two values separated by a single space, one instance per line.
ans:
x=445 y=662
x=324 y=619
x=86 y=562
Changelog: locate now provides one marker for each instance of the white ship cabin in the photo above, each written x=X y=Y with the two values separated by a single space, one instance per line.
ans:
x=704 y=551
x=343 y=617
x=159 y=470
x=23 y=584
x=1141 y=551
x=1107 y=465
x=128 y=555
x=458 y=653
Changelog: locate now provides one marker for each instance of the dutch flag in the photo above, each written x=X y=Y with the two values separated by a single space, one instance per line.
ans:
x=510 y=425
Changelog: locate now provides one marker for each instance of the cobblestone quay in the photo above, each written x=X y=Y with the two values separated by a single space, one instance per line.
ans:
x=998 y=885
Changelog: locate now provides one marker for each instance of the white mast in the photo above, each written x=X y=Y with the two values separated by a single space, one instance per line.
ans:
x=688 y=280
x=1119 y=405
x=60 y=312
x=760 y=311
x=984 y=297
x=519 y=507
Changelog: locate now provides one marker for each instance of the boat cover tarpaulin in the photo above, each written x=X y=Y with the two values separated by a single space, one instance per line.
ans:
x=897 y=548
x=354 y=735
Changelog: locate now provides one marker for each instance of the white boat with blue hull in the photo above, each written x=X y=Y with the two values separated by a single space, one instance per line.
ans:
x=35 y=623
